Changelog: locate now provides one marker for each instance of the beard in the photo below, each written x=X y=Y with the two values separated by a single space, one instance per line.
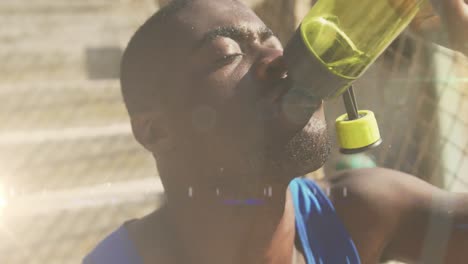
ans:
x=309 y=149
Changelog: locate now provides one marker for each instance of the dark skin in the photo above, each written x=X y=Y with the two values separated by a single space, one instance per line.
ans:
x=444 y=18
x=228 y=132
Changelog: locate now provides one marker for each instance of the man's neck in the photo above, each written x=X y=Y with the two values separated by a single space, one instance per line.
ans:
x=229 y=212
x=235 y=233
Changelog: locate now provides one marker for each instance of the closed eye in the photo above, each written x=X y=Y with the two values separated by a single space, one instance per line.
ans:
x=228 y=59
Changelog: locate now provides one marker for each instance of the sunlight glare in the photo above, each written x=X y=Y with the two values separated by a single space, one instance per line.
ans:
x=3 y=201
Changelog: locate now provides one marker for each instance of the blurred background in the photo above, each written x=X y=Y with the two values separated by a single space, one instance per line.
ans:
x=70 y=170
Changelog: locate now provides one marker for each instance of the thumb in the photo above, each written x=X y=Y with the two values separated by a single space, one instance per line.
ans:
x=454 y=21
x=427 y=20
x=444 y=22
x=447 y=7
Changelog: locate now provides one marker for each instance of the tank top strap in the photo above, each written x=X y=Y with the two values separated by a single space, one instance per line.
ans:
x=323 y=236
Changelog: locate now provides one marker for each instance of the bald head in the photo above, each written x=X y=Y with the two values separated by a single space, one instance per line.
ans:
x=145 y=61
x=204 y=79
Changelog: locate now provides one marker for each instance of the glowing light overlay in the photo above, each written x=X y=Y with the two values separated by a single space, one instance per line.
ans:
x=3 y=200
x=244 y=202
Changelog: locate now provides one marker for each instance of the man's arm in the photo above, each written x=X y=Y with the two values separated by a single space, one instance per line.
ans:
x=433 y=227
x=395 y=216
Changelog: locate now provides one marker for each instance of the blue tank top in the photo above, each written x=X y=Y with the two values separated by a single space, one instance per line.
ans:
x=323 y=237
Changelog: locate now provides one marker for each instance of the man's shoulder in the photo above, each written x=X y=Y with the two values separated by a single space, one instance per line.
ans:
x=114 y=248
x=137 y=241
x=153 y=237
x=371 y=188
x=370 y=204
x=370 y=182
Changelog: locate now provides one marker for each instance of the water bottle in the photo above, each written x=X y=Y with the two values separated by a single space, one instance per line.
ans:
x=334 y=45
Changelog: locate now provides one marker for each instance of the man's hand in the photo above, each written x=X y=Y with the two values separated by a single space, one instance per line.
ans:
x=444 y=22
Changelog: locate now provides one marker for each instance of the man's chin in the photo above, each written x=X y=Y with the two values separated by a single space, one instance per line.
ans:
x=308 y=150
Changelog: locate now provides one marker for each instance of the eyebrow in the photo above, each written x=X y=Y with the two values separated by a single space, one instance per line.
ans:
x=237 y=33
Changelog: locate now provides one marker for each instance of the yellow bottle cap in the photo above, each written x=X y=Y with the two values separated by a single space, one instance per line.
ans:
x=357 y=135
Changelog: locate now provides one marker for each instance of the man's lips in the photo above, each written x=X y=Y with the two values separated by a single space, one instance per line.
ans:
x=276 y=90
x=283 y=86
x=297 y=107
x=291 y=105
x=285 y=92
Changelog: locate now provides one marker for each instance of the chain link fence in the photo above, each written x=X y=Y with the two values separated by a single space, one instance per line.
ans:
x=70 y=170
x=419 y=94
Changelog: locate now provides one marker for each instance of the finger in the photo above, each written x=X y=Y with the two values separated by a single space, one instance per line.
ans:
x=447 y=8
x=426 y=20
x=403 y=6
x=426 y=24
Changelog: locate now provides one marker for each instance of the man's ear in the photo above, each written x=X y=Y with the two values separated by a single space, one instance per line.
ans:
x=149 y=130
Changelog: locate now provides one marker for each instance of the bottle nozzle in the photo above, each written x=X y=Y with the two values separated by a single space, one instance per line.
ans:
x=357 y=130
x=350 y=104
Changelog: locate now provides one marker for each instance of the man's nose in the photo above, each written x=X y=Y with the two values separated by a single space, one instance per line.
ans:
x=271 y=67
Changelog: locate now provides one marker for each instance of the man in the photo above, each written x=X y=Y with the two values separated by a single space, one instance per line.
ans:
x=207 y=93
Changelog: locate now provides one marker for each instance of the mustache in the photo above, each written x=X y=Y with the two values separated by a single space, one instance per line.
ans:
x=299 y=105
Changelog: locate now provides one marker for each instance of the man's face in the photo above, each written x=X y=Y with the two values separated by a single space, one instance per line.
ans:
x=234 y=95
